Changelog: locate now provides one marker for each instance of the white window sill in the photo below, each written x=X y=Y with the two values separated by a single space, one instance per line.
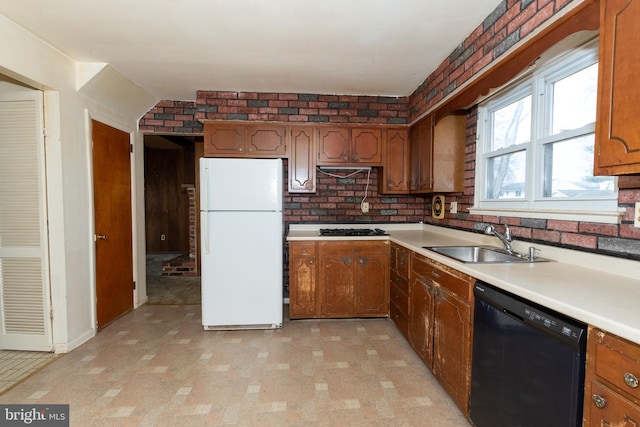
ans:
x=582 y=216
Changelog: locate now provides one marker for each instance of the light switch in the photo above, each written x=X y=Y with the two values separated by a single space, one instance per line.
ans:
x=636 y=215
x=454 y=207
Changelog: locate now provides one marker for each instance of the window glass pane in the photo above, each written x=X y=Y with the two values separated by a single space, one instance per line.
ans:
x=512 y=124
x=568 y=169
x=506 y=176
x=574 y=100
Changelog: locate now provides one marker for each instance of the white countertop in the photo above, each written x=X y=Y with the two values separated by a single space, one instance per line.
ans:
x=600 y=290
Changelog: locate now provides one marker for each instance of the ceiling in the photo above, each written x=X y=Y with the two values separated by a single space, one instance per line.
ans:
x=174 y=48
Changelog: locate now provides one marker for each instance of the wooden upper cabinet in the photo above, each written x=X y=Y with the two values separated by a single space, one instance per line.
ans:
x=366 y=146
x=245 y=140
x=333 y=145
x=421 y=137
x=437 y=154
x=223 y=139
x=396 y=167
x=342 y=145
x=267 y=141
x=617 y=126
x=302 y=160
x=449 y=141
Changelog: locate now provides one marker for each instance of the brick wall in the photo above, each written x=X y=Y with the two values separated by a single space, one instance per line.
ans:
x=508 y=24
x=294 y=107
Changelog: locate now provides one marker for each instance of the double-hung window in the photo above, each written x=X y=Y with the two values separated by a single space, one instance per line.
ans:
x=534 y=155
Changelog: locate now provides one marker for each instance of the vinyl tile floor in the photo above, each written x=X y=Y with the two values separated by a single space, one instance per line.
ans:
x=156 y=366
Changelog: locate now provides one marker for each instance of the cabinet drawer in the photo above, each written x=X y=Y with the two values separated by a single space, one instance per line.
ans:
x=302 y=248
x=617 y=362
x=613 y=409
x=400 y=299
x=400 y=319
x=456 y=283
x=400 y=282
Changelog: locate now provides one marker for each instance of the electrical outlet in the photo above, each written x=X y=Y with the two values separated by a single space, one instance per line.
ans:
x=636 y=215
x=365 y=207
x=163 y=237
x=454 y=207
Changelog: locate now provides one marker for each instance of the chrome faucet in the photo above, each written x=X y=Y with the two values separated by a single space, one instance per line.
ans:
x=505 y=238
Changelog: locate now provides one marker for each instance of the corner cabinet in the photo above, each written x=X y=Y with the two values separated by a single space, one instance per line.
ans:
x=612 y=392
x=440 y=324
x=617 y=147
x=437 y=154
x=338 y=279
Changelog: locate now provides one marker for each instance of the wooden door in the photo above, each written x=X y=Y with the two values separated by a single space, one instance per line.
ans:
x=224 y=140
x=113 y=224
x=421 y=159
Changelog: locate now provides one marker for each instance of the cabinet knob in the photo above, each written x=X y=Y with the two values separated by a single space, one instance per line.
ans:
x=311 y=261
x=304 y=250
x=599 y=401
x=631 y=380
x=434 y=274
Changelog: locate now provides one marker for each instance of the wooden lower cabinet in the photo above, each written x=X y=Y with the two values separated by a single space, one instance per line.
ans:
x=303 y=298
x=349 y=279
x=440 y=324
x=612 y=389
x=399 y=288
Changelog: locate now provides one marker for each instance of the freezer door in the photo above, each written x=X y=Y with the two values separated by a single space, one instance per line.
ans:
x=242 y=270
x=241 y=184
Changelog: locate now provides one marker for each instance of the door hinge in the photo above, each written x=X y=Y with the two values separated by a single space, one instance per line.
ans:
x=131 y=148
x=51 y=314
x=134 y=284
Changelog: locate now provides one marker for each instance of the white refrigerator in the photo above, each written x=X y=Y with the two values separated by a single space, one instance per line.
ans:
x=241 y=243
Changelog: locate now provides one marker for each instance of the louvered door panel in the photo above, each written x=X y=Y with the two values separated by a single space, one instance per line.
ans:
x=24 y=297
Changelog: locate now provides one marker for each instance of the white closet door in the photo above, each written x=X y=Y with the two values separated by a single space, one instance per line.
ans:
x=25 y=323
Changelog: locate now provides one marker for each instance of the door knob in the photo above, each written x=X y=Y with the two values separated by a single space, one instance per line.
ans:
x=101 y=237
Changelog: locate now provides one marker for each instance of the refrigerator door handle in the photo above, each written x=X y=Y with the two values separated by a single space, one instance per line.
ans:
x=204 y=208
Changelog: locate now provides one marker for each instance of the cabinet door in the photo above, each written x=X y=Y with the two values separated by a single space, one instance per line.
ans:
x=421 y=138
x=302 y=280
x=366 y=146
x=372 y=284
x=452 y=347
x=268 y=141
x=302 y=165
x=617 y=125
x=224 y=140
x=449 y=140
x=421 y=318
x=604 y=407
x=333 y=145
x=396 y=168
x=336 y=280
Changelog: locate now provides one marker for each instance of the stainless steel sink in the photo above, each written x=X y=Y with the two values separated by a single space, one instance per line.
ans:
x=482 y=254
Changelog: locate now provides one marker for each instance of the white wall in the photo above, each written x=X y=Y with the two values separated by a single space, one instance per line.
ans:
x=74 y=94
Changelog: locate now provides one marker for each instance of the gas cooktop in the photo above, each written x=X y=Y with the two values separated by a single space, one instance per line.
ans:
x=352 y=232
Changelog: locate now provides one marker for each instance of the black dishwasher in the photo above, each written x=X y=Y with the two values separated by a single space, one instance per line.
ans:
x=528 y=363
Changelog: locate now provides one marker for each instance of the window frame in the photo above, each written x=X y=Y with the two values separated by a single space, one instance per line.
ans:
x=538 y=83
